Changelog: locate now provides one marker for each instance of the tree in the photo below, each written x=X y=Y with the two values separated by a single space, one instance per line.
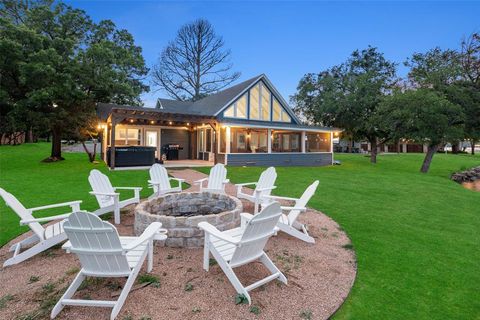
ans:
x=470 y=60
x=194 y=65
x=435 y=69
x=467 y=95
x=424 y=116
x=58 y=64
x=348 y=95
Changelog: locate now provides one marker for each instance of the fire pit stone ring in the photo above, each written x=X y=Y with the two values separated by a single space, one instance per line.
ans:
x=180 y=213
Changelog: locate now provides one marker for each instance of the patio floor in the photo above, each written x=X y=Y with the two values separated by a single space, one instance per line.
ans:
x=319 y=275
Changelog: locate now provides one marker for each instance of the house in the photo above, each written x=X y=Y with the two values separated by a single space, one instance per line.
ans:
x=248 y=124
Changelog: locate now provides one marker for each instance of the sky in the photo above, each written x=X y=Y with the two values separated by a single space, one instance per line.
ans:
x=286 y=39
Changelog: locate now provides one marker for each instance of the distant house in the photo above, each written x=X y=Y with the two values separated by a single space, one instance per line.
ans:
x=248 y=124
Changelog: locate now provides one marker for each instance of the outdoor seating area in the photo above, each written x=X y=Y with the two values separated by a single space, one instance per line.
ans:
x=237 y=237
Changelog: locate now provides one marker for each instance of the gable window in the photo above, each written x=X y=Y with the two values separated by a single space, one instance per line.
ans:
x=260 y=105
x=255 y=102
x=237 y=109
x=279 y=114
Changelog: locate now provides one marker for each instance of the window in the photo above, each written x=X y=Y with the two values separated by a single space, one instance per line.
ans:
x=238 y=140
x=238 y=109
x=286 y=142
x=209 y=140
x=243 y=140
x=127 y=137
x=258 y=141
x=255 y=102
x=260 y=105
x=265 y=103
x=279 y=114
x=318 y=142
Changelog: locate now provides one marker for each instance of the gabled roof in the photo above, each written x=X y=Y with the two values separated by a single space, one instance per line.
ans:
x=208 y=106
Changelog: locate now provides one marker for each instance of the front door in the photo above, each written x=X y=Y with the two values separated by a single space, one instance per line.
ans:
x=151 y=140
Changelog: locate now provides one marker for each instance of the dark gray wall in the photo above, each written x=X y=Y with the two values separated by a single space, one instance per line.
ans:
x=279 y=159
x=176 y=136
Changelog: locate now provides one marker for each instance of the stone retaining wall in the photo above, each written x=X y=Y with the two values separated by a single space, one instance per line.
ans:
x=180 y=213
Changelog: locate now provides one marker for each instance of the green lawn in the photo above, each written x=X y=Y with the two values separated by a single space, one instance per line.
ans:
x=416 y=236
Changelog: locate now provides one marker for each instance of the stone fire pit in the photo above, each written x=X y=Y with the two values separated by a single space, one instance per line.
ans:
x=180 y=214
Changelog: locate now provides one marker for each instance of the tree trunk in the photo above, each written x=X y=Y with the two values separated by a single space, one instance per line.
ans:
x=56 y=154
x=373 y=151
x=455 y=147
x=428 y=158
x=91 y=155
x=472 y=143
x=352 y=143
x=29 y=135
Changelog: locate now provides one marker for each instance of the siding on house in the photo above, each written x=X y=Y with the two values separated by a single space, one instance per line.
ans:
x=280 y=159
x=176 y=136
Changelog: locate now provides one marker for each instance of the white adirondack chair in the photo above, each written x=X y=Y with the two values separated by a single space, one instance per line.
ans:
x=107 y=197
x=160 y=181
x=102 y=253
x=288 y=222
x=236 y=247
x=43 y=237
x=263 y=188
x=216 y=180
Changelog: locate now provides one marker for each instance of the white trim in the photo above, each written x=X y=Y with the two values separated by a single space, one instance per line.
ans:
x=273 y=91
x=272 y=126
x=269 y=140
x=274 y=152
x=238 y=95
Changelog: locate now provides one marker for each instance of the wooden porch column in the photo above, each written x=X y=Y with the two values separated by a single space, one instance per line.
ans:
x=112 y=145
x=303 y=136
x=269 y=140
x=227 y=144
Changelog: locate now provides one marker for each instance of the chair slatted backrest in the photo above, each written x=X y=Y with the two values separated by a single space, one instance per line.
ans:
x=256 y=234
x=100 y=183
x=218 y=174
x=302 y=202
x=22 y=212
x=159 y=174
x=96 y=243
x=267 y=180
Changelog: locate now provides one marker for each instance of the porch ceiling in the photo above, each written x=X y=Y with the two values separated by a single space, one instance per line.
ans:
x=119 y=116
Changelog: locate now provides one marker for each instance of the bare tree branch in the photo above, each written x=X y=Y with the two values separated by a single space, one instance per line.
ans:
x=194 y=64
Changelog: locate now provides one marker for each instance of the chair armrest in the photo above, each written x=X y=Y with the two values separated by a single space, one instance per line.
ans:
x=128 y=188
x=64 y=204
x=301 y=209
x=282 y=198
x=265 y=189
x=45 y=219
x=211 y=230
x=108 y=194
x=147 y=235
x=178 y=179
x=200 y=181
x=226 y=181
x=244 y=184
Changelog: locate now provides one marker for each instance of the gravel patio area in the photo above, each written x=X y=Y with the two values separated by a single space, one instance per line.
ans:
x=320 y=277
